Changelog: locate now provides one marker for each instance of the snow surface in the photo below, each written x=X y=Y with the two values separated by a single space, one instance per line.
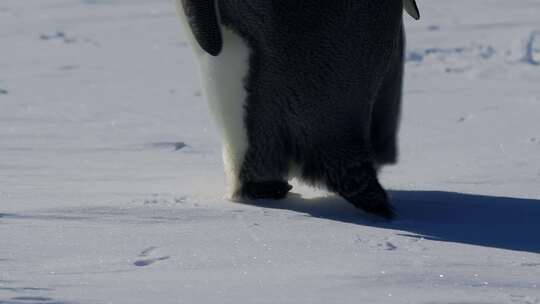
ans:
x=111 y=181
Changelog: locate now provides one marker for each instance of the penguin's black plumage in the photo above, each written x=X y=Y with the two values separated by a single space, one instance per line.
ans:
x=322 y=92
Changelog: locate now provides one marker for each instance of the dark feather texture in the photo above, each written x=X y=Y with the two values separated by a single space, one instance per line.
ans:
x=324 y=93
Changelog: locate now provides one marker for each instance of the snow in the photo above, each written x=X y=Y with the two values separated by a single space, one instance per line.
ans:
x=111 y=180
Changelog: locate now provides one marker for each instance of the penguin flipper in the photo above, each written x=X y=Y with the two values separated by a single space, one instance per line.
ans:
x=202 y=19
x=411 y=8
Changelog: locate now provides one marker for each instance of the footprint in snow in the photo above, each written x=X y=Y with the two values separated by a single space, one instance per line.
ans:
x=147 y=251
x=34 y=299
x=150 y=261
x=390 y=246
x=387 y=246
x=176 y=146
x=530 y=264
x=147 y=257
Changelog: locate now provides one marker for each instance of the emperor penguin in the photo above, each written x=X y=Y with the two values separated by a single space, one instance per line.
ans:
x=303 y=88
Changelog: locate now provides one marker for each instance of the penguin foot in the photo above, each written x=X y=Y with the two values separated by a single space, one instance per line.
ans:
x=266 y=190
x=374 y=203
x=361 y=188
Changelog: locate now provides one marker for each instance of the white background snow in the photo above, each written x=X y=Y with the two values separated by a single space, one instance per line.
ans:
x=101 y=202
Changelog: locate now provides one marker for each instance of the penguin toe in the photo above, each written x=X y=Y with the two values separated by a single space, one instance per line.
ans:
x=383 y=210
x=266 y=190
x=373 y=199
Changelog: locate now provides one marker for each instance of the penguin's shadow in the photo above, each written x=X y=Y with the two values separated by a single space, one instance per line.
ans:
x=498 y=222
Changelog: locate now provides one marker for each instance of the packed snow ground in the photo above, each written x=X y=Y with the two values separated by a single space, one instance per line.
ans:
x=111 y=183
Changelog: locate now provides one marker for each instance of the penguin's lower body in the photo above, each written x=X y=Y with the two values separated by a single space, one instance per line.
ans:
x=270 y=135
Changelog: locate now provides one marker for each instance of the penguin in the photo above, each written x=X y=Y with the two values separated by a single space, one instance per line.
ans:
x=303 y=88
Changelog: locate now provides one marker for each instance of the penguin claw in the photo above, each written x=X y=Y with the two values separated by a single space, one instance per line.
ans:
x=384 y=210
x=370 y=197
x=377 y=205
x=266 y=190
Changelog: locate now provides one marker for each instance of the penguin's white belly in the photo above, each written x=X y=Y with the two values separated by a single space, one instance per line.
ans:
x=222 y=80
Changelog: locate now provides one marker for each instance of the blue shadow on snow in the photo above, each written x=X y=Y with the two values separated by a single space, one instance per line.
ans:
x=498 y=222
